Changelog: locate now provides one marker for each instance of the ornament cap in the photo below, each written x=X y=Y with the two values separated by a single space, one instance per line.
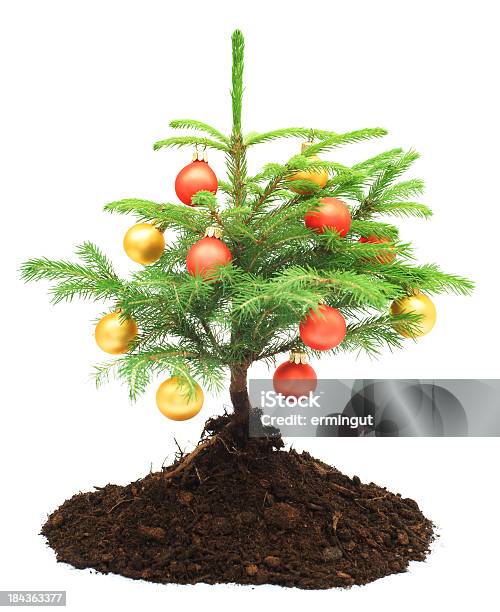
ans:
x=200 y=155
x=213 y=231
x=298 y=357
x=306 y=145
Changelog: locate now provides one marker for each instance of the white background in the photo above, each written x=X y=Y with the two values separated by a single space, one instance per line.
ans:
x=87 y=88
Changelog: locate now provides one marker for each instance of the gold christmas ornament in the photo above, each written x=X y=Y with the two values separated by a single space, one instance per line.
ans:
x=144 y=243
x=176 y=402
x=114 y=333
x=419 y=304
x=320 y=177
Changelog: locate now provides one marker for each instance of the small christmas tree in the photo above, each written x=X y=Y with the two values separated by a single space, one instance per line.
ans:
x=289 y=245
x=295 y=258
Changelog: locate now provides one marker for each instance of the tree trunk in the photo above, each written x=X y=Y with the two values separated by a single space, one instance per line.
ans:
x=239 y=392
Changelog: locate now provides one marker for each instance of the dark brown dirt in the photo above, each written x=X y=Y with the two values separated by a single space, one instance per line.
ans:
x=242 y=513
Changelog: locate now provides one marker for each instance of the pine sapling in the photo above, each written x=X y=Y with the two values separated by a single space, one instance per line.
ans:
x=288 y=257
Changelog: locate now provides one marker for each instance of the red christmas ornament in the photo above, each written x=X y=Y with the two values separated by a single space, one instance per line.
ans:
x=324 y=329
x=208 y=253
x=330 y=214
x=196 y=176
x=295 y=377
x=386 y=255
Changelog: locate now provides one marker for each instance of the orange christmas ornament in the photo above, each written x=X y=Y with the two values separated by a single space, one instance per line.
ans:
x=196 y=176
x=386 y=255
x=207 y=254
x=295 y=377
x=324 y=329
x=331 y=213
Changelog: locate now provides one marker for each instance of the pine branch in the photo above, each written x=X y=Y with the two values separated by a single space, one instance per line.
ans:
x=388 y=174
x=292 y=132
x=347 y=185
x=383 y=191
x=403 y=209
x=362 y=289
x=403 y=190
x=298 y=289
x=176 y=216
x=137 y=370
x=189 y=141
x=43 y=268
x=373 y=164
x=193 y=124
x=96 y=280
x=429 y=279
x=341 y=139
x=375 y=333
x=279 y=179
x=96 y=290
x=145 y=210
x=370 y=335
x=374 y=228
x=96 y=260
x=302 y=162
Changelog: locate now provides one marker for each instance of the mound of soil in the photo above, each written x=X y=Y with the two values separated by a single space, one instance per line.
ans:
x=242 y=513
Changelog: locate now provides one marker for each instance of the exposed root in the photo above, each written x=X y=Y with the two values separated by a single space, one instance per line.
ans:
x=188 y=459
